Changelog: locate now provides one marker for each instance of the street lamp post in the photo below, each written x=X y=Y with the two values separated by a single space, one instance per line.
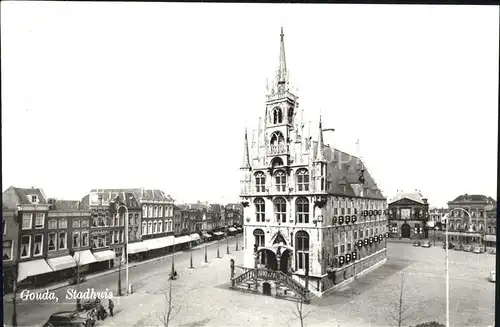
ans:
x=218 y=240
x=237 y=241
x=227 y=242
x=173 y=261
x=206 y=259
x=191 y=259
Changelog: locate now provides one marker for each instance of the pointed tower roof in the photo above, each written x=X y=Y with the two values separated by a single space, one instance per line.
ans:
x=246 y=157
x=282 y=73
x=319 y=152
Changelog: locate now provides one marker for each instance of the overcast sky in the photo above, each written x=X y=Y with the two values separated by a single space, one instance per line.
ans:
x=104 y=95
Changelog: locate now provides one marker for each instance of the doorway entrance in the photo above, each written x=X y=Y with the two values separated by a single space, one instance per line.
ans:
x=266 y=288
x=285 y=261
x=405 y=231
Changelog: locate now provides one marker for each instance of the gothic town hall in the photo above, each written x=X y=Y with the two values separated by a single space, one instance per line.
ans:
x=313 y=216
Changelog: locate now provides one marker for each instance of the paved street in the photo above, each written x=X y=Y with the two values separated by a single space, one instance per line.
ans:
x=141 y=277
x=205 y=299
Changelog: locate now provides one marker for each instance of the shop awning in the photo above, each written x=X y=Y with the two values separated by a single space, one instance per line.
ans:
x=104 y=255
x=194 y=237
x=490 y=238
x=61 y=263
x=232 y=229
x=218 y=233
x=136 y=247
x=464 y=234
x=206 y=235
x=84 y=257
x=32 y=268
x=182 y=239
x=158 y=243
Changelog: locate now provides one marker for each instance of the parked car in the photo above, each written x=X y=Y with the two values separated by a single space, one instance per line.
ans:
x=492 y=251
x=89 y=304
x=468 y=248
x=74 y=280
x=493 y=276
x=478 y=249
x=426 y=244
x=67 y=319
x=450 y=245
x=416 y=243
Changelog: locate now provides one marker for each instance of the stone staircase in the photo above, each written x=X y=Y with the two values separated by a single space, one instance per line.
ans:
x=284 y=285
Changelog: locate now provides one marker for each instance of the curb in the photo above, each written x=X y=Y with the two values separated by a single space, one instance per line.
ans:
x=8 y=297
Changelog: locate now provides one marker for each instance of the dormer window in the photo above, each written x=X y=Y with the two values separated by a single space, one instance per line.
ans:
x=33 y=198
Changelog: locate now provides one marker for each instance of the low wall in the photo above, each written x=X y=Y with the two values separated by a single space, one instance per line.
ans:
x=319 y=286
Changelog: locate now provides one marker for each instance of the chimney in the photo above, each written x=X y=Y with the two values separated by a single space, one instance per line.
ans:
x=425 y=200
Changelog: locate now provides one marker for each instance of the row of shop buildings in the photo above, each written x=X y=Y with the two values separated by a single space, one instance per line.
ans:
x=471 y=219
x=46 y=240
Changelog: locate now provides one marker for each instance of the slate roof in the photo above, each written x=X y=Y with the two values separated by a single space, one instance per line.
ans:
x=343 y=174
x=474 y=198
x=146 y=194
x=414 y=196
x=67 y=205
x=15 y=195
x=234 y=206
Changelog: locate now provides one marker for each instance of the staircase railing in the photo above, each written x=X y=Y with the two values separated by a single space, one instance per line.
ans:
x=294 y=285
x=279 y=276
x=241 y=278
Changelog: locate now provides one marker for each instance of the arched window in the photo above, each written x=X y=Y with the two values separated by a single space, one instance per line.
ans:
x=280 y=178
x=150 y=211
x=302 y=250
x=155 y=227
x=260 y=182
x=144 y=211
x=260 y=209
x=144 y=228
x=150 y=227
x=155 y=211
x=160 y=213
x=489 y=229
x=277 y=143
x=259 y=237
x=302 y=180
x=302 y=209
x=276 y=162
x=160 y=226
x=277 y=115
x=280 y=210
x=170 y=228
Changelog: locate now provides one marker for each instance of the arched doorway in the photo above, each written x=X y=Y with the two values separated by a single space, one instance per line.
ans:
x=268 y=258
x=285 y=261
x=266 y=288
x=405 y=231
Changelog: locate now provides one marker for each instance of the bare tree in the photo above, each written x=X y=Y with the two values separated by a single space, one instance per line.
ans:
x=299 y=311
x=173 y=304
x=171 y=310
x=397 y=312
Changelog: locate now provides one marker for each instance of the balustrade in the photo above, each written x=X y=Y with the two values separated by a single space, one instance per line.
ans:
x=278 y=149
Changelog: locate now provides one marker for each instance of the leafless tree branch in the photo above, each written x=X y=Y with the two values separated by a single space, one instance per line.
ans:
x=397 y=309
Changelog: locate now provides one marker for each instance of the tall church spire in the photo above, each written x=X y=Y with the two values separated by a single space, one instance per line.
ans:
x=246 y=158
x=319 y=151
x=282 y=74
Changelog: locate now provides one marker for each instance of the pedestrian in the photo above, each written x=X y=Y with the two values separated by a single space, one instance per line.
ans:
x=111 y=306
x=175 y=274
x=100 y=308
